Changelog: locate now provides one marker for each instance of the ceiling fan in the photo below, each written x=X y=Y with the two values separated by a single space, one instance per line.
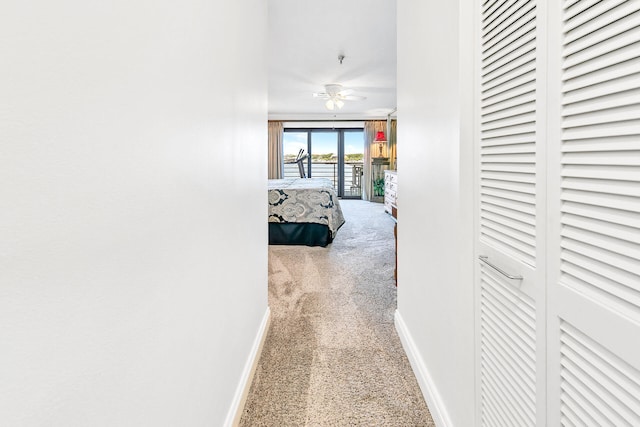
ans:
x=335 y=95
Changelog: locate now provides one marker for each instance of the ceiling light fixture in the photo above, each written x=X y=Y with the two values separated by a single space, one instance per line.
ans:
x=334 y=102
x=335 y=95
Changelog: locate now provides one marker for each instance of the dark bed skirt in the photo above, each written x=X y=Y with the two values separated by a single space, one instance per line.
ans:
x=299 y=234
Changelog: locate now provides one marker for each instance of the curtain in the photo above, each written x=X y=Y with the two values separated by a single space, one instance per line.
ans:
x=371 y=127
x=392 y=137
x=276 y=158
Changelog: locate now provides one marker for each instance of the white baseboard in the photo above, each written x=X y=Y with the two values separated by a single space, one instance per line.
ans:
x=429 y=391
x=240 y=397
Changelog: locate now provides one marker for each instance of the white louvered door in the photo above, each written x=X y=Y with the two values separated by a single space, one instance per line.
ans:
x=510 y=312
x=594 y=250
x=558 y=120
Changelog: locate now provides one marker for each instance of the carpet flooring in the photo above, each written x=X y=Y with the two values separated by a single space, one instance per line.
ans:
x=332 y=356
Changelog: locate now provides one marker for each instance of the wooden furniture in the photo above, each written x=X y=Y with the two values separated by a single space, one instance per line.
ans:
x=390 y=190
x=395 y=237
x=391 y=207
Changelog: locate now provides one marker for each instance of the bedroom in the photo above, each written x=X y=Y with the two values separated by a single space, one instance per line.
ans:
x=133 y=250
x=518 y=125
x=332 y=141
x=325 y=84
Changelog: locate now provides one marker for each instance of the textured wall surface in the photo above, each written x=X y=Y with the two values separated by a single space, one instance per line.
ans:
x=133 y=234
x=435 y=239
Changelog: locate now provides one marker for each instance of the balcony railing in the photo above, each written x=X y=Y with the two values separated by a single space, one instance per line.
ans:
x=352 y=175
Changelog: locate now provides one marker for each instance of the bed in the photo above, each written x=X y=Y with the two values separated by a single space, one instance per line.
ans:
x=303 y=211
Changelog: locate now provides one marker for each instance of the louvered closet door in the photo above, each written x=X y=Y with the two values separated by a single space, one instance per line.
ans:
x=594 y=286
x=510 y=371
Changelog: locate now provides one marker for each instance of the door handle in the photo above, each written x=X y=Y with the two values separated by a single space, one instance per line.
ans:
x=485 y=259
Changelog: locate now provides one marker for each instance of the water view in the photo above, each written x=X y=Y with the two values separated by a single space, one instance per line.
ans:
x=324 y=144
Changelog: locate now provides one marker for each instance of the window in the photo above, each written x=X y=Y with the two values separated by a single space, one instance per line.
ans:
x=336 y=154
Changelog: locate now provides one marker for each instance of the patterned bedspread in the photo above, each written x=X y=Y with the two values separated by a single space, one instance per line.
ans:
x=305 y=200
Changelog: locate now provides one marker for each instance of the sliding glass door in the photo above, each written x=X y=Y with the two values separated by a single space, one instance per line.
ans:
x=353 y=161
x=324 y=156
x=336 y=154
x=292 y=143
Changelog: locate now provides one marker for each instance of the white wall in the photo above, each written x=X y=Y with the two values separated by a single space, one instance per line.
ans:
x=435 y=226
x=133 y=240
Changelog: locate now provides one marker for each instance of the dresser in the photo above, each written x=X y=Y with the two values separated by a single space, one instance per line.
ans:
x=391 y=191
x=391 y=206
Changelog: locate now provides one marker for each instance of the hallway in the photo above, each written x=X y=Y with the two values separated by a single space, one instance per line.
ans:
x=332 y=355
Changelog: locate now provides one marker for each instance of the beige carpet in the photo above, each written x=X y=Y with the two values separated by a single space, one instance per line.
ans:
x=332 y=356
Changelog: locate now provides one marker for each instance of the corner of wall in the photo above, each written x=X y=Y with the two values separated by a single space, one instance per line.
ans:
x=242 y=391
x=431 y=395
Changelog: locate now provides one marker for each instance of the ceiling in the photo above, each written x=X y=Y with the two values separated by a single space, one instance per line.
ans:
x=305 y=39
